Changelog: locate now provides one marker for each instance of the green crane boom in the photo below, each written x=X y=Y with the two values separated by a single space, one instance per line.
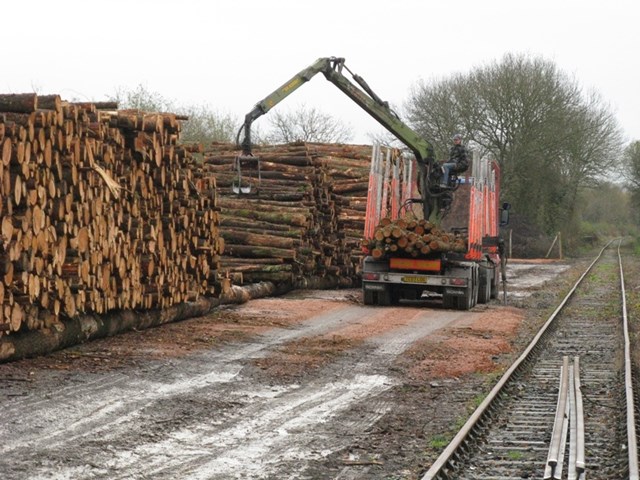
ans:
x=362 y=95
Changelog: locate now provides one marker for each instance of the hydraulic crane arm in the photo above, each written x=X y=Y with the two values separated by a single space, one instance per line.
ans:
x=362 y=95
x=332 y=68
x=276 y=97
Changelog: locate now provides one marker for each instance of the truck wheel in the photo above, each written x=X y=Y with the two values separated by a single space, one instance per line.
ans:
x=368 y=297
x=395 y=295
x=470 y=297
x=384 y=297
x=476 y=285
x=464 y=302
x=484 y=285
x=377 y=297
x=494 y=283
x=449 y=301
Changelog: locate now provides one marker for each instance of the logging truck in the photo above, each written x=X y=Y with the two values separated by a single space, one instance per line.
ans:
x=462 y=278
x=459 y=259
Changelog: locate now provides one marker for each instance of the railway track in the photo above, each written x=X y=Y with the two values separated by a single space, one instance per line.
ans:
x=565 y=408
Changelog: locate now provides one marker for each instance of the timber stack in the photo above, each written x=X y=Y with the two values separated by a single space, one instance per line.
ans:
x=304 y=218
x=349 y=168
x=412 y=237
x=101 y=210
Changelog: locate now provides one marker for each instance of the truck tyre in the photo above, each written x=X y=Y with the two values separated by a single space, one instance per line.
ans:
x=368 y=297
x=484 y=285
x=384 y=297
x=470 y=297
x=464 y=302
x=449 y=301
x=494 y=289
x=395 y=295
x=476 y=286
x=377 y=297
x=495 y=282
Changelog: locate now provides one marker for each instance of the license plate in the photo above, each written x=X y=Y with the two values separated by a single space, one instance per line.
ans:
x=379 y=287
x=414 y=279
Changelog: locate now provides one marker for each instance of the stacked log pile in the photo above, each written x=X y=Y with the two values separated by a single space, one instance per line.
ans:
x=413 y=238
x=305 y=217
x=349 y=168
x=101 y=210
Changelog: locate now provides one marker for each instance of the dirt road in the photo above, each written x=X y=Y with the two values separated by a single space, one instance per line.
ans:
x=312 y=385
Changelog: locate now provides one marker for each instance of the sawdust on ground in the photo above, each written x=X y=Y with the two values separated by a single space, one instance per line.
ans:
x=453 y=352
x=449 y=353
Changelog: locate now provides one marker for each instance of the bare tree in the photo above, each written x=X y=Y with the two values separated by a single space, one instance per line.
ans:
x=307 y=125
x=549 y=139
x=141 y=98
x=385 y=137
x=608 y=209
x=631 y=162
x=433 y=109
x=205 y=124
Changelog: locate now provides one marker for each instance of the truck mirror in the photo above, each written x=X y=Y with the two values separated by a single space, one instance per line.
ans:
x=504 y=214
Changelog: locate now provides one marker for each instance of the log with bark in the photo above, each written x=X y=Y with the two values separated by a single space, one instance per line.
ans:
x=410 y=237
x=18 y=102
x=87 y=327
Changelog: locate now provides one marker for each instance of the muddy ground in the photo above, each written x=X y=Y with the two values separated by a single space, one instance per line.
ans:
x=311 y=385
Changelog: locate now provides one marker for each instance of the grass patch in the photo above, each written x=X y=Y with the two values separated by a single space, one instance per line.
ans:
x=438 y=442
x=514 y=455
x=477 y=400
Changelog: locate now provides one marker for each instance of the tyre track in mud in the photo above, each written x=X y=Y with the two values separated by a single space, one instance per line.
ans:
x=274 y=436
x=200 y=416
x=155 y=381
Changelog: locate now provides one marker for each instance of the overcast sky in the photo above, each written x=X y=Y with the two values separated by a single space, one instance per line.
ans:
x=230 y=54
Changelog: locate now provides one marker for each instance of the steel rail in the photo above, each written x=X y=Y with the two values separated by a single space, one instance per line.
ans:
x=576 y=465
x=632 y=444
x=573 y=422
x=447 y=457
x=580 y=464
x=559 y=435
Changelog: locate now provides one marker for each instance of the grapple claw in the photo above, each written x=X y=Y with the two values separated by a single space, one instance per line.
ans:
x=248 y=177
